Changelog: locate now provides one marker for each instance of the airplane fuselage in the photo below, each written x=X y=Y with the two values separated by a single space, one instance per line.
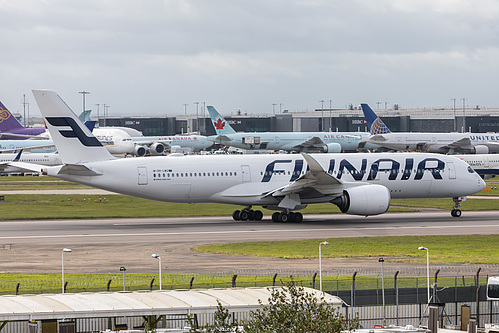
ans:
x=439 y=142
x=291 y=141
x=245 y=180
x=483 y=164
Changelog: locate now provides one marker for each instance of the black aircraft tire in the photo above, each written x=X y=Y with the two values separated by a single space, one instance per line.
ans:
x=235 y=215
x=258 y=215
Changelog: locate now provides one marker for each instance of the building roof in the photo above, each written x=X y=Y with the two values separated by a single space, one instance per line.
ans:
x=129 y=304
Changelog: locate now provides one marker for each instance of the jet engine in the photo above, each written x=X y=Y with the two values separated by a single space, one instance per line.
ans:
x=331 y=148
x=156 y=148
x=364 y=200
x=480 y=149
x=139 y=151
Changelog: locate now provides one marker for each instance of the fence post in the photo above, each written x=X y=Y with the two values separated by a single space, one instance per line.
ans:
x=273 y=279
x=313 y=280
x=109 y=284
x=234 y=280
x=352 y=294
x=150 y=284
x=17 y=288
x=192 y=281
x=395 y=285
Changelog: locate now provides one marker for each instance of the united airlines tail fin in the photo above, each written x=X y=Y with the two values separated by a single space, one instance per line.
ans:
x=376 y=125
x=74 y=141
x=221 y=126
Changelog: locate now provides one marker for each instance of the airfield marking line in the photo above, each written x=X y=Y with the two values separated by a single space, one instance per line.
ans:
x=236 y=232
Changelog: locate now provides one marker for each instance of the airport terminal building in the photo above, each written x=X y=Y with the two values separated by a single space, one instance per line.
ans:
x=477 y=120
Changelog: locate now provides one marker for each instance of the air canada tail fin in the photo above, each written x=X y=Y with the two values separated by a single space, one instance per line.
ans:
x=376 y=125
x=74 y=141
x=221 y=126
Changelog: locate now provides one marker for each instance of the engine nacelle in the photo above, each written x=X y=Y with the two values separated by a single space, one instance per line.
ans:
x=331 y=148
x=364 y=200
x=139 y=151
x=480 y=149
x=156 y=148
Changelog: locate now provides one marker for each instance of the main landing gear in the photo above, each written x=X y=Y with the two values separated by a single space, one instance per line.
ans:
x=287 y=217
x=456 y=212
x=247 y=214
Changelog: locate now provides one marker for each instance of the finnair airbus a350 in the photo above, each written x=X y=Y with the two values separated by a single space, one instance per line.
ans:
x=359 y=183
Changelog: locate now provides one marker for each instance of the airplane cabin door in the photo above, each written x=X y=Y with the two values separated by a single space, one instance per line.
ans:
x=245 y=169
x=142 y=175
x=451 y=170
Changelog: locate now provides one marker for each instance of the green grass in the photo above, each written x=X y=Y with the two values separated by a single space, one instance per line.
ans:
x=476 y=249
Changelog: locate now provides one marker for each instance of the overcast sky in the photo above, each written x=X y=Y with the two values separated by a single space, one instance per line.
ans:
x=150 y=57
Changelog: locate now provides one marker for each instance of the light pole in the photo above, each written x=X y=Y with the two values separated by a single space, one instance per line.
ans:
x=322 y=114
x=320 y=264
x=455 y=122
x=427 y=270
x=382 y=260
x=123 y=269
x=464 y=115
x=155 y=255
x=62 y=261
x=84 y=93
x=197 y=115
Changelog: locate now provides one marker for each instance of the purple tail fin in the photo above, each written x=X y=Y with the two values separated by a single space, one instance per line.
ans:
x=7 y=120
x=12 y=129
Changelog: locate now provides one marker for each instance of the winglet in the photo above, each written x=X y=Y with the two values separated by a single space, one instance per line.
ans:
x=219 y=123
x=376 y=125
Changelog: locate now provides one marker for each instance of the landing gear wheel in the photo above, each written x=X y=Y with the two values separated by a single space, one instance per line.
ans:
x=456 y=213
x=283 y=217
x=275 y=217
x=258 y=215
x=235 y=215
x=297 y=217
x=243 y=215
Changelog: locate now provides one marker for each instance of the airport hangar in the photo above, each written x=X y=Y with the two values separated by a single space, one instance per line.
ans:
x=476 y=120
x=96 y=312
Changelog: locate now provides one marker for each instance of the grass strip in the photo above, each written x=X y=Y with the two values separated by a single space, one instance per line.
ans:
x=475 y=249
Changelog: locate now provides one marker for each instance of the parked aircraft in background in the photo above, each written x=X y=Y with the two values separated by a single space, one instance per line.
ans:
x=486 y=165
x=49 y=159
x=449 y=143
x=12 y=129
x=360 y=184
x=327 y=142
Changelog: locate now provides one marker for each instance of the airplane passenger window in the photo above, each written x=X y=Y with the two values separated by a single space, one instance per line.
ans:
x=154 y=175
x=191 y=174
x=235 y=173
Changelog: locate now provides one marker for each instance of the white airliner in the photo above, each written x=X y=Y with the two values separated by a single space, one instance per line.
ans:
x=48 y=159
x=449 y=143
x=326 y=142
x=360 y=183
x=156 y=145
x=486 y=165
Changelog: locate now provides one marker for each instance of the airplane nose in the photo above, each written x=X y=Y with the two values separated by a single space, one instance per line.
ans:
x=481 y=183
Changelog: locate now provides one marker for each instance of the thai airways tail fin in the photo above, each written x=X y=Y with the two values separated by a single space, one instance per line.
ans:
x=376 y=125
x=74 y=141
x=7 y=120
x=221 y=126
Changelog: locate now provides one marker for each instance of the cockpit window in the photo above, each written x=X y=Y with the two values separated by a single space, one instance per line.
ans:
x=470 y=170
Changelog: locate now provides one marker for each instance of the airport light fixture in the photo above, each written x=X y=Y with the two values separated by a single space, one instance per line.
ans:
x=382 y=260
x=62 y=265
x=123 y=269
x=84 y=93
x=427 y=270
x=320 y=264
x=155 y=255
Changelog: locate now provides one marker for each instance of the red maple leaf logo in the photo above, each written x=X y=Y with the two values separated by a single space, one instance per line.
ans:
x=219 y=124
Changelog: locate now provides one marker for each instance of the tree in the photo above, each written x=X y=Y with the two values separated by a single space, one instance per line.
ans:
x=292 y=309
x=221 y=323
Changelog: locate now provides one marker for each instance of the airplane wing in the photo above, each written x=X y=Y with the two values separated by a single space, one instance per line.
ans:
x=464 y=143
x=312 y=142
x=315 y=183
x=27 y=166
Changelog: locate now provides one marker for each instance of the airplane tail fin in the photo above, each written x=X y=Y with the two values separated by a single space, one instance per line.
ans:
x=7 y=120
x=74 y=141
x=376 y=125
x=221 y=126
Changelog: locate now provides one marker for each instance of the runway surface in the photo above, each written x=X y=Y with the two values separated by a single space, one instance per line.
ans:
x=103 y=245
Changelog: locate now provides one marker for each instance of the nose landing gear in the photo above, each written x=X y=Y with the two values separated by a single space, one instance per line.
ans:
x=456 y=212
